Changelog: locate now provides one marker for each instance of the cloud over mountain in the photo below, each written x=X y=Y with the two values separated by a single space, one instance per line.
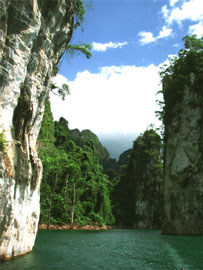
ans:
x=116 y=98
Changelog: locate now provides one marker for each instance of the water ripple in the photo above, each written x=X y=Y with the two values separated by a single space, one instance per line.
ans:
x=110 y=250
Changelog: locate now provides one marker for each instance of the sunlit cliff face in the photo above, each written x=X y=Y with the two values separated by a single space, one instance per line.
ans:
x=32 y=40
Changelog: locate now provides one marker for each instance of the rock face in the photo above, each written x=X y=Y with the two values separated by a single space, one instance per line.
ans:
x=139 y=194
x=148 y=171
x=33 y=35
x=82 y=137
x=183 y=191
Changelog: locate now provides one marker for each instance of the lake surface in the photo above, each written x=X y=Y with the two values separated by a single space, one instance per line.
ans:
x=110 y=250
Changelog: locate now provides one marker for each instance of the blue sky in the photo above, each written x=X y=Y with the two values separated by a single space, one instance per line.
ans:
x=114 y=92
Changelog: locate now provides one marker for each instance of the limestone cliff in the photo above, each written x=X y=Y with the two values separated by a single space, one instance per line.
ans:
x=183 y=158
x=148 y=171
x=138 y=195
x=33 y=35
x=183 y=192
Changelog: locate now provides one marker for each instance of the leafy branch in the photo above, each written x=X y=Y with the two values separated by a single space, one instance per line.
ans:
x=62 y=91
x=183 y=72
x=74 y=49
x=79 y=9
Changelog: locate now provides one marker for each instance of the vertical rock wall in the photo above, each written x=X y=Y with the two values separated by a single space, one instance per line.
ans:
x=148 y=195
x=139 y=194
x=33 y=35
x=183 y=191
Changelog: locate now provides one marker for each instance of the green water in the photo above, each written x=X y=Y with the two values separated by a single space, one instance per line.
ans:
x=111 y=249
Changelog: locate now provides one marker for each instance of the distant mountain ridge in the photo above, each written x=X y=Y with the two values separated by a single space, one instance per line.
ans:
x=80 y=138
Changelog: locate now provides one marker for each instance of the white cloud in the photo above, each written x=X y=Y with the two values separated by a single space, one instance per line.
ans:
x=173 y=2
x=102 y=47
x=196 y=29
x=59 y=80
x=165 y=11
x=178 y=11
x=189 y=10
x=116 y=99
x=147 y=37
x=165 y=32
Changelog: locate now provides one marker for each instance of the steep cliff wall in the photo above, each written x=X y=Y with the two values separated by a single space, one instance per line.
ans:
x=33 y=34
x=183 y=192
x=183 y=161
x=139 y=194
x=148 y=171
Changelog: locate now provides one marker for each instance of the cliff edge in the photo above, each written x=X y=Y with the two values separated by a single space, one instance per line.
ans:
x=183 y=157
x=33 y=37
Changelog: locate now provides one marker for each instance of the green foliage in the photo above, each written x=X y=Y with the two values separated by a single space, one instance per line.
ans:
x=184 y=73
x=74 y=49
x=79 y=10
x=193 y=43
x=62 y=91
x=74 y=190
x=110 y=165
x=141 y=183
x=82 y=137
x=2 y=141
x=46 y=135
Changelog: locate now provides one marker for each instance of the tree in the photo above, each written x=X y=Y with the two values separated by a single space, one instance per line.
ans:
x=138 y=195
x=184 y=73
x=74 y=49
x=74 y=189
x=182 y=116
x=74 y=173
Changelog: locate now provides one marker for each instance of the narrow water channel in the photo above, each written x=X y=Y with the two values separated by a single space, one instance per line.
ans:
x=110 y=250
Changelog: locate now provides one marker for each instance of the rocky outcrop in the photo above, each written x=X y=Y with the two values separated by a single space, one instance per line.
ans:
x=183 y=191
x=148 y=185
x=139 y=194
x=33 y=35
x=76 y=227
x=82 y=137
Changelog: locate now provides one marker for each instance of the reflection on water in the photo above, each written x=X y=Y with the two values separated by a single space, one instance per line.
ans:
x=190 y=248
x=112 y=249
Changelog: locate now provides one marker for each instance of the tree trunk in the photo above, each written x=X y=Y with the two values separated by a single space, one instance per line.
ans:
x=50 y=202
x=65 y=194
x=66 y=185
x=73 y=205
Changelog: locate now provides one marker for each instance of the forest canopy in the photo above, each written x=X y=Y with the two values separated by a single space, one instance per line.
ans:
x=82 y=185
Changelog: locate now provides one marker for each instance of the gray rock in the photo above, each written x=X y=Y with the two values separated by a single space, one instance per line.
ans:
x=33 y=36
x=183 y=192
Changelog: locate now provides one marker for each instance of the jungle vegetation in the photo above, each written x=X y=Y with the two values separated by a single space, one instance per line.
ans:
x=182 y=77
x=83 y=185
x=74 y=190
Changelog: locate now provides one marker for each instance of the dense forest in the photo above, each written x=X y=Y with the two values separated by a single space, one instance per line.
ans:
x=83 y=185
x=182 y=116
x=138 y=194
x=74 y=189
x=157 y=183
